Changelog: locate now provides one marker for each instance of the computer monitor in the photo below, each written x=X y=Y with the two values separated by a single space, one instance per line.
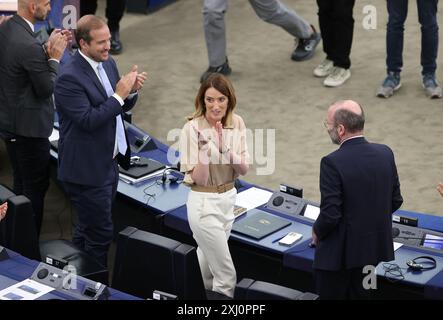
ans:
x=432 y=241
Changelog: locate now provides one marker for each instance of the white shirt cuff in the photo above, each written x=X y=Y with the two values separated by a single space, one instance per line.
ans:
x=54 y=60
x=119 y=99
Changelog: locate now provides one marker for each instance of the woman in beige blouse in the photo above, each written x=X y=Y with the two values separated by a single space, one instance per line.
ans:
x=213 y=153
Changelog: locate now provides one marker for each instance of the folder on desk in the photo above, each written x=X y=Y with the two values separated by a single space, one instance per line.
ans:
x=259 y=224
x=144 y=167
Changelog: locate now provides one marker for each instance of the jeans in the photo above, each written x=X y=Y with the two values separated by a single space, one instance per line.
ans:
x=427 y=16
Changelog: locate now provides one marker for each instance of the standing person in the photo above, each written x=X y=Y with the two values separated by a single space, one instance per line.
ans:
x=337 y=28
x=213 y=153
x=427 y=16
x=115 y=10
x=28 y=72
x=359 y=190
x=90 y=97
x=272 y=11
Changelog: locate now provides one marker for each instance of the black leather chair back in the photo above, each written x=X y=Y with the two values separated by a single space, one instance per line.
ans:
x=18 y=233
x=249 y=289
x=145 y=262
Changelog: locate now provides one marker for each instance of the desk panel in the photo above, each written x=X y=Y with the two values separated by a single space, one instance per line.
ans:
x=18 y=268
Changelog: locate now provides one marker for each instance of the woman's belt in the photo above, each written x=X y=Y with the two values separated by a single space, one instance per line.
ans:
x=213 y=189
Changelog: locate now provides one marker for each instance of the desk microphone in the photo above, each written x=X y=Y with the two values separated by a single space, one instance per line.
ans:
x=395 y=232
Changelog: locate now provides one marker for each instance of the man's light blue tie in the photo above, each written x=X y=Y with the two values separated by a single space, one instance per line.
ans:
x=121 y=145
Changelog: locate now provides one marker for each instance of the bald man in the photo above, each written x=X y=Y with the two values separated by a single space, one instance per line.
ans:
x=28 y=72
x=360 y=190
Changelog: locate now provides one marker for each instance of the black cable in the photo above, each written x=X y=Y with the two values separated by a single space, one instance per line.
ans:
x=393 y=272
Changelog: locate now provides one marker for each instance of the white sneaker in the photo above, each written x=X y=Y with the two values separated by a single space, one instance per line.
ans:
x=324 y=69
x=337 y=77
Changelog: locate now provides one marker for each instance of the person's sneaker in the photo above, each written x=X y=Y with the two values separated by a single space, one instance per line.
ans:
x=306 y=47
x=337 y=77
x=223 y=69
x=324 y=69
x=390 y=85
x=431 y=86
x=116 y=45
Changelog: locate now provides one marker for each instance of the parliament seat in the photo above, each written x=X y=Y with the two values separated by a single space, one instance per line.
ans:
x=249 y=289
x=18 y=233
x=145 y=262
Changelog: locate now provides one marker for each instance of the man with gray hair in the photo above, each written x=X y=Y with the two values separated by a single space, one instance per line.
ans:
x=360 y=190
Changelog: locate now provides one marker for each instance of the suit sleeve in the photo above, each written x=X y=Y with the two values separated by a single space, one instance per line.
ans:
x=397 y=199
x=130 y=103
x=72 y=101
x=41 y=71
x=331 y=199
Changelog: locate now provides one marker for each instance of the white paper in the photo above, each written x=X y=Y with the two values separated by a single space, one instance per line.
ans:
x=26 y=290
x=311 y=212
x=252 y=198
x=397 y=245
x=54 y=135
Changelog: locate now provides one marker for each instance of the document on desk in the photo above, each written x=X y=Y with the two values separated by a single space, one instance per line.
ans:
x=26 y=290
x=312 y=212
x=397 y=245
x=252 y=198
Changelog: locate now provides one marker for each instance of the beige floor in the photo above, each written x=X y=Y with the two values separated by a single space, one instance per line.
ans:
x=275 y=93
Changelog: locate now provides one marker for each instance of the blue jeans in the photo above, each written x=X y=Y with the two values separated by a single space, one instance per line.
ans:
x=427 y=16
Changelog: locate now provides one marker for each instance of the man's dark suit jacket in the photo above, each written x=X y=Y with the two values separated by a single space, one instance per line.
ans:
x=26 y=82
x=87 y=122
x=359 y=191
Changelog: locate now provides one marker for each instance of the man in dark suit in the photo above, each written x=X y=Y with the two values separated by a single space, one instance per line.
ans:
x=28 y=71
x=359 y=190
x=90 y=97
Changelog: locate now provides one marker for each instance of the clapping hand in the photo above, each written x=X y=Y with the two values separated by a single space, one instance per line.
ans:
x=140 y=79
x=219 y=130
x=125 y=85
x=3 y=209
x=203 y=141
x=57 y=42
